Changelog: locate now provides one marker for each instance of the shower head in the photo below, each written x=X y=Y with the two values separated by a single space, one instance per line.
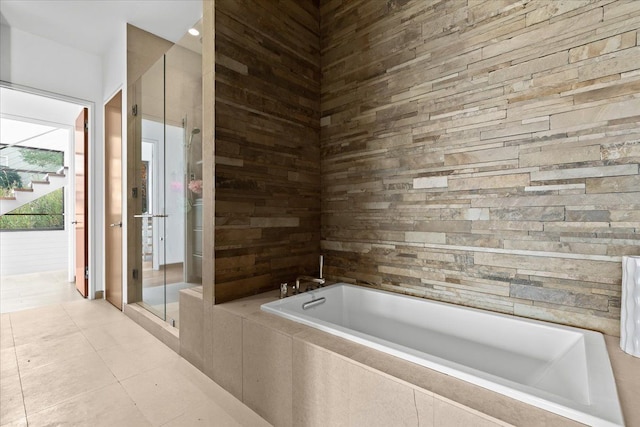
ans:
x=194 y=131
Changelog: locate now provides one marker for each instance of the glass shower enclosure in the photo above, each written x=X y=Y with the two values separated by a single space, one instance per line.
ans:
x=169 y=175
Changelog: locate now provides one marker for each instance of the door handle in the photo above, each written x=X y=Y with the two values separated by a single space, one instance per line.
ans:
x=75 y=222
x=150 y=216
x=116 y=224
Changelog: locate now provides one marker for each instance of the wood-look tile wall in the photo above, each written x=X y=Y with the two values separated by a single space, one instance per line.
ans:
x=483 y=152
x=267 y=119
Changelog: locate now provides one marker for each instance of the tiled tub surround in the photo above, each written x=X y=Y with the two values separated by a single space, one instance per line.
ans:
x=295 y=375
x=483 y=153
x=561 y=369
x=478 y=152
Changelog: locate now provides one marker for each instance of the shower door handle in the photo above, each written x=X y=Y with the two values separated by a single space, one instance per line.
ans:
x=151 y=216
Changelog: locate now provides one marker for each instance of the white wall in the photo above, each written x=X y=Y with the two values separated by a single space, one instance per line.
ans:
x=27 y=105
x=114 y=65
x=23 y=252
x=38 y=63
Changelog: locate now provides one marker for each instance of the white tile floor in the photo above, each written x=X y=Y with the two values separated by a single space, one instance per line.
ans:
x=84 y=363
x=22 y=291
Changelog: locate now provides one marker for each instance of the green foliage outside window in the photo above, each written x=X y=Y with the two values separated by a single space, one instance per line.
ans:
x=44 y=213
x=50 y=159
x=9 y=179
x=47 y=212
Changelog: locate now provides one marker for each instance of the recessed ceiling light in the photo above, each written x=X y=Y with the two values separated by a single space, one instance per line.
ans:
x=194 y=32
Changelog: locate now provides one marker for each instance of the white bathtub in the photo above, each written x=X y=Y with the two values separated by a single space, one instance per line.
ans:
x=557 y=368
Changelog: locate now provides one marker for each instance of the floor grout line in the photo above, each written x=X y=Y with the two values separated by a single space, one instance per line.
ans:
x=26 y=291
x=118 y=345
x=15 y=354
x=27 y=414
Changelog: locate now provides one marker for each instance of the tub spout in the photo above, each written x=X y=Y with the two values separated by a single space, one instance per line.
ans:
x=311 y=280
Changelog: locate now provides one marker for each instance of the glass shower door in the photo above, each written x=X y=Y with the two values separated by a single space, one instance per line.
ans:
x=152 y=189
x=172 y=207
x=162 y=220
x=169 y=179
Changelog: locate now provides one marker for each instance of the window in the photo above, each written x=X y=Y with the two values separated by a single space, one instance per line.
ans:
x=25 y=165
x=45 y=213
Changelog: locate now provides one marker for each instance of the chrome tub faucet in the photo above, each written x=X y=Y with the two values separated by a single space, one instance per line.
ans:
x=308 y=279
x=311 y=280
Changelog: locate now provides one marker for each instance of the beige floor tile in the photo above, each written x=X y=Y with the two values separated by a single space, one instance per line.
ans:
x=6 y=332
x=52 y=349
x=89 y=314
x=107 y=406
x=163 y=394
x=213 y=392
x=25 y=291
x=178 y=394
x=22 y=422
x=204 y=415
x=67 y=359
x=41 y=324
x=56 y=382
x=126 y=362
x=121 y=333
x=5 y=322
x=44 y=332
x=37 y=316
x=8 y=363
x=6 y=339
x=11 y=403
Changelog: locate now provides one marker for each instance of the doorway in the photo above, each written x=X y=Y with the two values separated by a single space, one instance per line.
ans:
x=37 y=224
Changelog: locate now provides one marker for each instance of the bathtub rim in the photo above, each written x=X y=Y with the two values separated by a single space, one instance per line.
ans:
x=604 y=410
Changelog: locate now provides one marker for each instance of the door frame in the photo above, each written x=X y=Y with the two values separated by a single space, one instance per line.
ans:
x=96 y=272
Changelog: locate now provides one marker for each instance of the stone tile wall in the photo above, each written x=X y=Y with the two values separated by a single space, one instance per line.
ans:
x=483 y=152
x=267 y=161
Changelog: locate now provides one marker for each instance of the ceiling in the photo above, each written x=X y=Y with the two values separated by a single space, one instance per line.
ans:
x=35 y=121
x=90 y=26
x=93 y=25
x=28 y=134
x=20 y=105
